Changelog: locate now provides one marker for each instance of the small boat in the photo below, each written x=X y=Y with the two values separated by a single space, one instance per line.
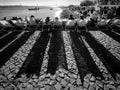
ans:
x=51 y=8
x=36 y=8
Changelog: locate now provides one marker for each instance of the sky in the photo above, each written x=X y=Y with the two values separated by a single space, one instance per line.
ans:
x=40 y=2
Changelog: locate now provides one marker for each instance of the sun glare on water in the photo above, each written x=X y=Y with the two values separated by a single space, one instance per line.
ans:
x=57 y=13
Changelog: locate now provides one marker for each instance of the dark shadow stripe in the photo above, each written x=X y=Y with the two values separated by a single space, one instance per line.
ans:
x=4 y=41
x=10 y=50
x=110 y=61
x=55 y=46
x=62 y=56
x=33 y=63
x=3 y=33
x=118 y=31
x=83 y=59
x=113 y=35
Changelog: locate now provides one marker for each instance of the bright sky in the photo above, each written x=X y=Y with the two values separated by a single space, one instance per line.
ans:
x=40 y=2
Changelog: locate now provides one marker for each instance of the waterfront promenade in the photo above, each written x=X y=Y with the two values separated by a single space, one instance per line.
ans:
x=59 y=59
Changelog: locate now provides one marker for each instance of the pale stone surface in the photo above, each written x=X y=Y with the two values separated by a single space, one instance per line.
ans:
x=1 y=88
x=110 y=87
x=63 y=83
x=92 y=87
x=58 y=86
x=118 y=87
x=29 y=87
x=86 y=84
x=92 y=79
x=2 y=78
x=10 y=87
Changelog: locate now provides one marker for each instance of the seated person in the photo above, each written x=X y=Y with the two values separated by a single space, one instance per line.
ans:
x=70 y=23
x=81 y=22
x=56 y=23
x=14 y=18
x=47 y=20
x=5 y=23
x=31 y=20
x=71 y=17
x=4 y=18
x=116 y=22
x=19 y=22
x=64 y=21
x=90 y=23
x=102 y=22
x=94 y=17
x=46 y=24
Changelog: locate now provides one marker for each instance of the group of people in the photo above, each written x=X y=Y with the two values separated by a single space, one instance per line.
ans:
x=104 y=12
x=87 y=16
x=95 y=16
x=19 y=22
x=112 y=2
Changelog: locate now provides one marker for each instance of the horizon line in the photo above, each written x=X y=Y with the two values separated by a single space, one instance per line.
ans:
x=37 y=5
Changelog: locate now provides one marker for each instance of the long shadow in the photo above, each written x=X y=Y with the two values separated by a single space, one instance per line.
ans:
x=3 y=33
x=4 y=41
x=55 y=46
x=62 y=58
x=83 y=59
x=116 y=30
x=11 y=49
x=110 y=61
x=33 y=63
x=62 y=62
x=113 y=35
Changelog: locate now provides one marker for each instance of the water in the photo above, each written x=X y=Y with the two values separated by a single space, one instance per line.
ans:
x=22 y=11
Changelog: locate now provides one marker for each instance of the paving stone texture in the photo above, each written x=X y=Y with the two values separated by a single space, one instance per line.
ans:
x=63 y=79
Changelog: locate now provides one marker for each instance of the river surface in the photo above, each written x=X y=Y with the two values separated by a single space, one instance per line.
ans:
x=22 y=11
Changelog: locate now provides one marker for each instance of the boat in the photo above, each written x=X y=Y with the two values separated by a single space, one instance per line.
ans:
x=36 y=8
x=51 y=8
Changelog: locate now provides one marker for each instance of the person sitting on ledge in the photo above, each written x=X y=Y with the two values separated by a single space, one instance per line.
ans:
x=46 y=24
x=71 y=17
x=70 y=24
x=18 y=22
x=5 y=23
x=14 y=18
x=31 y=20
x=56 y=23
x=47 y=21
x=116 y=22
x=81 y=22
x=4 y=18
x=94 y=16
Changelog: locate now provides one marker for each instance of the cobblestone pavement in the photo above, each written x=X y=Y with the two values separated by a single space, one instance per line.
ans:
x=112 y=45
x=63 y=79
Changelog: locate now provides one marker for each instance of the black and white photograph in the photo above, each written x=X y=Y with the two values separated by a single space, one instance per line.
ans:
x=59 y=44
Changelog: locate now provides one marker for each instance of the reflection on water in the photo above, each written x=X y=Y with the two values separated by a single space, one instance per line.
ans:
x=23 y=12
x=57 y=13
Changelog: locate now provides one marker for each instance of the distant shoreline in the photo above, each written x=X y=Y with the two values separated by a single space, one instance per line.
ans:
x=25 y=6
x=22 y=12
